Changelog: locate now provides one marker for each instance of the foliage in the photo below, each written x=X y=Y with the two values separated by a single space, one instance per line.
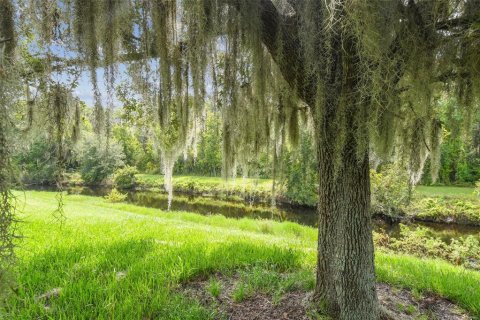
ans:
x=463 y=211
x=399 y=70
x=97 y=162
x=134 y=132
x=477 y=189
x=368 y=72
x=460 y=156
x=130 y=145
x=149 y=161
x=420 y=242
x=74 y=179
x=389 y=190
x=37 y=161
x=301 y=177
x=249 y=189
x=124 y=178
x=115 y=196
x=208 y=160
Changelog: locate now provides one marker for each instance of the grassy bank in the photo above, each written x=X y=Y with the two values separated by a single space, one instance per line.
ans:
x=446 y=191
x=255 y=189
x=445 y=204
x=125 y=262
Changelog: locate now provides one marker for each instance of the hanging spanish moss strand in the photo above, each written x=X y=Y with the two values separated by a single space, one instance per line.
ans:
x=418 y=150
x=77 y=122
x=180 y=114
x=435 y=152
x=111 y=14
x=85 y=31
x=30 y=109
x=63 y=114
x=30 y=103
x=58 y=105
x=7 y=200
x=8 y=220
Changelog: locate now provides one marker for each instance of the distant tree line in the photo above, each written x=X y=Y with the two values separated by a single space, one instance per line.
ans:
x=132 y=144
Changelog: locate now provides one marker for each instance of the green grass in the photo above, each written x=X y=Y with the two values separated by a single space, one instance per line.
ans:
x=215 y=287
x=445 y=191
x=238 y=189
x=446 y=204
x=157 y=180
x=458 y=284
x=120 y=261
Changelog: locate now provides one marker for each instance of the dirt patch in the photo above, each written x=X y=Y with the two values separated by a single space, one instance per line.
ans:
x=400 y=303
x=291 y=305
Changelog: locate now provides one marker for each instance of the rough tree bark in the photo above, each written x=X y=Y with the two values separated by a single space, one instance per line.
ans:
x=345 y=286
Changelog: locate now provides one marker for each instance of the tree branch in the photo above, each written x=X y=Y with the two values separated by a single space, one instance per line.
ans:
x=283 y=30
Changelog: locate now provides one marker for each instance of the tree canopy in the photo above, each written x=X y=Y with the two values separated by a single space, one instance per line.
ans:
x=264 y=63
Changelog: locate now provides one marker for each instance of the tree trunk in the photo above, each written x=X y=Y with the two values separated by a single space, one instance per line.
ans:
x=345 y=273
x=345 y=267
x=345 y=286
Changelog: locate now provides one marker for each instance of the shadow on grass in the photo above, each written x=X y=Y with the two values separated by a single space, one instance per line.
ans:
x=132 y=279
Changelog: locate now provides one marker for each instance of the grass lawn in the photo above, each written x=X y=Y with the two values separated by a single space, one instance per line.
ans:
x=446 y=204
x=155 y=179
x=214 y=185
x=445 y=191
x=120 y=261
x=205 y=184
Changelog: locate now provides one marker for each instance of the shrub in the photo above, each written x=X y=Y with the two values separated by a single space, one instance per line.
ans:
x=422 y=243
x=446 y=210
x=301 y=173
x=36 y=162
x=477 y=189
x=124 y=178
x=390 y=190
x=115 y=196
x=74 y=179
x=97 y=162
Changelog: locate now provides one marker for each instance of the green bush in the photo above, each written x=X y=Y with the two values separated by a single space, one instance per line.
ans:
x=97 y=162
x=301 y=173
x=422 y=243
x=390 y=190
x=124 y=178
x=115 y=196
x=36 y=163
x=446 y=210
